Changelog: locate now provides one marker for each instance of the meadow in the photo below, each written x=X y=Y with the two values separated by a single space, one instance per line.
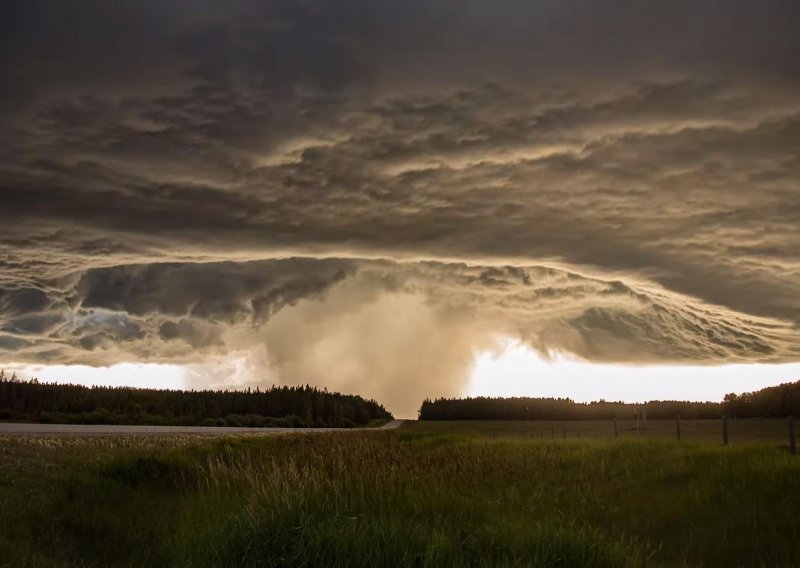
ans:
x=758 y=431
x=428 y=494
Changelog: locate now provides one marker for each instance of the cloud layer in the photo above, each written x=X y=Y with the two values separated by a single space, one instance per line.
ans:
x=400 y=185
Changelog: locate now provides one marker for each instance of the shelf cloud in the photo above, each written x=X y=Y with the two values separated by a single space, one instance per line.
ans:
x=371 y=193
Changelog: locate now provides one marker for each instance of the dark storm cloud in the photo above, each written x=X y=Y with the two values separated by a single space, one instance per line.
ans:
x=616 y=180
x=218 y=291
x=163 y=311
x=23 y=300
x=127 y=311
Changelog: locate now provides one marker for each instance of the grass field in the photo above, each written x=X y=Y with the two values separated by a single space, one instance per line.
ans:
x=758 y=431
x=429 y=494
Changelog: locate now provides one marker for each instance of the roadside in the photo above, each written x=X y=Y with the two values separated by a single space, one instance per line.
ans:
x=82 y=430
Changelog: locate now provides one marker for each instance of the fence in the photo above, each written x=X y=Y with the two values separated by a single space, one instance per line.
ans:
x=725 y=431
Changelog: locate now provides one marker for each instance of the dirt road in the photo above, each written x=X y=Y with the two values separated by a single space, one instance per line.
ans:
x=14 y=428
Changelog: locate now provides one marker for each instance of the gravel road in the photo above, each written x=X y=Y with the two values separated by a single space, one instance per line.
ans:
x=14 y=428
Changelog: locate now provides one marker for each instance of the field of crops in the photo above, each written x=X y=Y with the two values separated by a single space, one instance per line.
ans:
x=429 y=494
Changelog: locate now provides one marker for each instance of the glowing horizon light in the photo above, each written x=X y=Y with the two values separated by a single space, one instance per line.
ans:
x=519 y=371
x=515 y=370
x=138 y=375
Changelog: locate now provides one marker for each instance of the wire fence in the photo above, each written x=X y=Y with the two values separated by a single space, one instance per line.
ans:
x=772 y=431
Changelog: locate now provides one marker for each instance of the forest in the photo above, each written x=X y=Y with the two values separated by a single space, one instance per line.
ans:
x=771 y=402
x=298 y=407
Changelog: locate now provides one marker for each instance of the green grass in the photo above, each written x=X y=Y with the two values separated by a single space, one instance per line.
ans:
x=742 y=431
x=413 y=497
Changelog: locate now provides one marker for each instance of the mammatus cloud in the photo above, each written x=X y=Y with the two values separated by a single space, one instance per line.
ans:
x=365 y=196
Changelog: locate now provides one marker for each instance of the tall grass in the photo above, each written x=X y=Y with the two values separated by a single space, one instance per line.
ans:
x=400 y=499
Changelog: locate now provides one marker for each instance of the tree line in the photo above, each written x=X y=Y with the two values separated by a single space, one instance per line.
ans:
x=283 y=406
x=772 y=402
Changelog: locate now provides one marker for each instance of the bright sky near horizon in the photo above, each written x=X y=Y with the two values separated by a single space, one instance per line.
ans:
x=140 y=375
x=512 y=371
x=518 y=371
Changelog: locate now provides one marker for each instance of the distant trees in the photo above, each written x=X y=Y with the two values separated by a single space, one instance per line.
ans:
x=783 y=400
x=526 y=408
x=303 y=406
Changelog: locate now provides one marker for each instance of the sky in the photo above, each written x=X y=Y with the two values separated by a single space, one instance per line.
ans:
x=377 y=197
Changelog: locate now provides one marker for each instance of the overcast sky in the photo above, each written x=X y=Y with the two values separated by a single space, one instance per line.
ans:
x=367 y=195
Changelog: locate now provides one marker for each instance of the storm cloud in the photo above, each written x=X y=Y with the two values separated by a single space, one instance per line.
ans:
x=391 y=187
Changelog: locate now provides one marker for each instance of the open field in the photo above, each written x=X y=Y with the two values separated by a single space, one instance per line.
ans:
x=423 y=495
x=742 y=431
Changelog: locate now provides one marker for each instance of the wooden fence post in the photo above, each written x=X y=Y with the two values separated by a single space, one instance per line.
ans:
x=724 y=430
x=792 y=439
x=644 y=421
x=564 y=433
x=678 y=427
x=616 y=431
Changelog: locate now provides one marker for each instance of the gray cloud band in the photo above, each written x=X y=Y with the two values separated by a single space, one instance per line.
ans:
x=173 y=311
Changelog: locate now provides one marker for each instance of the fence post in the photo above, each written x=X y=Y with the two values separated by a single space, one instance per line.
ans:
x=678 y=427
x=724 y=430
x=564 y=433
x=616 y=431
x=792 y=439
x=638 y=431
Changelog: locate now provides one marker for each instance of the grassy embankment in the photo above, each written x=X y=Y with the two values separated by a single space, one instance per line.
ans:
x=410 y=498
